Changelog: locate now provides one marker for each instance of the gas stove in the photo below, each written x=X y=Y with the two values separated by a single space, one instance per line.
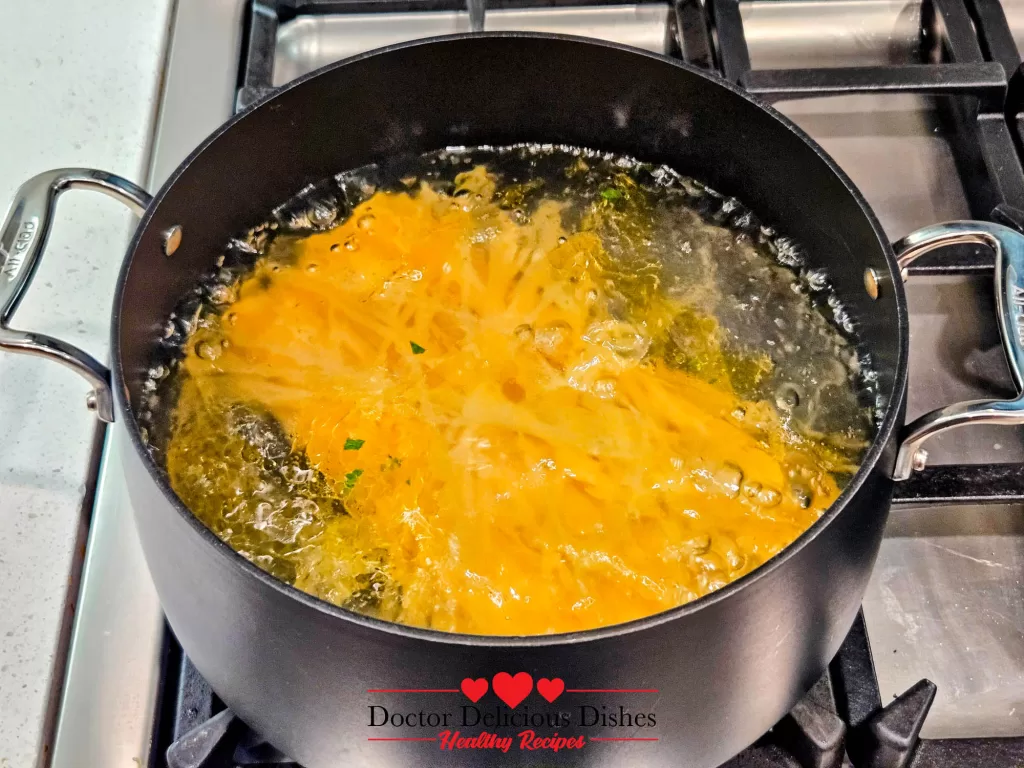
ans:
x=922 y=104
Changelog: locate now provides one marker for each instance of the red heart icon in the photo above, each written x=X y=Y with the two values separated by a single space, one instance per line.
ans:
x=474 y=689
x=512 y=690
x=550 y=689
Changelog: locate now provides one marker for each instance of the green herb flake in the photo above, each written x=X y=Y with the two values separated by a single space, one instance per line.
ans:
x=351 y=444
x=611 y=194
x=351 y=478
x=416 y=348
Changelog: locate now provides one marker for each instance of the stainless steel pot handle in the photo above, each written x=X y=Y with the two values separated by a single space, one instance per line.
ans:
x=22 y=241
x=1008 y=245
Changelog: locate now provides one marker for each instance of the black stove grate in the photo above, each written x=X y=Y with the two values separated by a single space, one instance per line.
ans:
x=971 y=64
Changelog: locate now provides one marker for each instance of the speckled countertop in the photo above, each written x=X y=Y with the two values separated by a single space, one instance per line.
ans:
x=78 y=87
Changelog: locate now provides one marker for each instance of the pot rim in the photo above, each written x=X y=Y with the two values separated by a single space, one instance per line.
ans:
x=871 y=459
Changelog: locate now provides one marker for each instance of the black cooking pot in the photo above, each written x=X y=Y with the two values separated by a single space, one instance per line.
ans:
x=710 y=676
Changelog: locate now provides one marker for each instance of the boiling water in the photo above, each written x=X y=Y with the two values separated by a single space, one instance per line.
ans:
x=748 y=317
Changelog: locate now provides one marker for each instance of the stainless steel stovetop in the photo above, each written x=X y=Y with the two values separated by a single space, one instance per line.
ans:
x=946 y=601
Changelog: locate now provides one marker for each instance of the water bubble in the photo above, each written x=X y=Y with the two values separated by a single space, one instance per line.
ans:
x=562 y=240
x=207 y=351
x=730 y=479
x=221 y=294
x=351 y=244
x=523 y=332
x=788 y=253
x=335 y=247
x=713 y=582
x=817 y=280
x=698 y=545
x=802 y=496
x=366 y=221
x=621 y=338
x=551 y=337
x=311 y=267
x=322 y=215
x=787 y=397
x=734 y=559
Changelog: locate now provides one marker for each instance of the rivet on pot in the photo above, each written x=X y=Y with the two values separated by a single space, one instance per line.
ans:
x=920 y=460
x=172 y=239
x=871 y=283
x=91 y=402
